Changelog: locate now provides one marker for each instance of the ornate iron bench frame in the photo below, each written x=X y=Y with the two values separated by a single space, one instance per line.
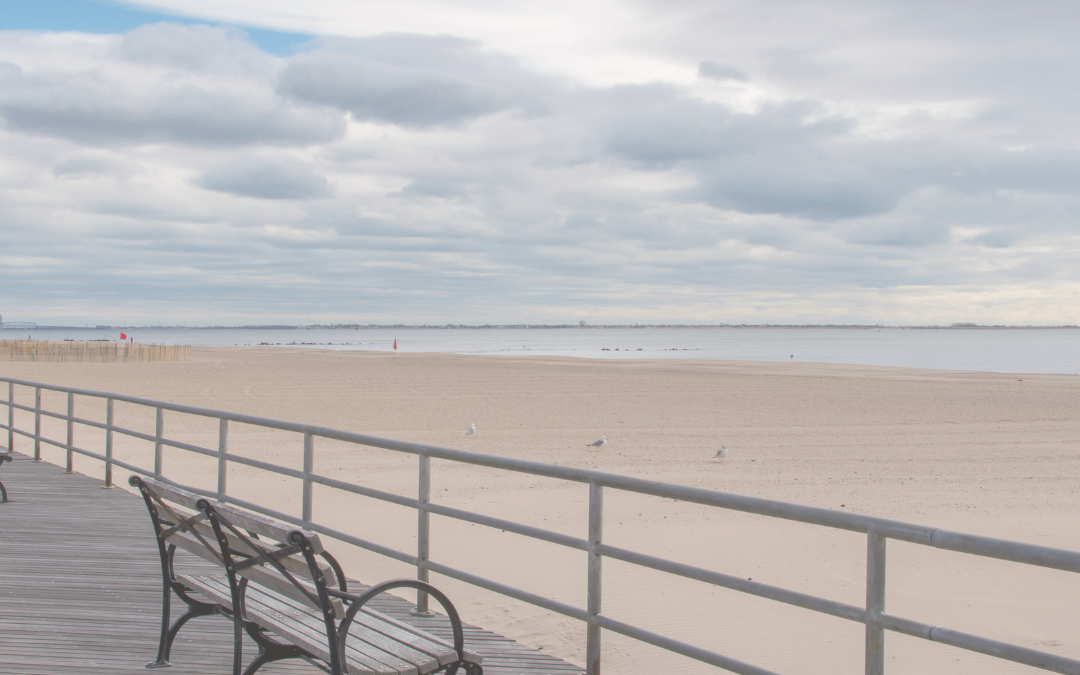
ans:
x=286 y=580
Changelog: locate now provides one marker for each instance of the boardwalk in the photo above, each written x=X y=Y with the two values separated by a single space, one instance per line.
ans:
x=80 y=590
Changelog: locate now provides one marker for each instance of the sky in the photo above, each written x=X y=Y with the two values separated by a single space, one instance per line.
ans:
x=467 y=161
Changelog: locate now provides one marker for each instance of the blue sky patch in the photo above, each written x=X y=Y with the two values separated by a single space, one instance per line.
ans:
x=96 y=16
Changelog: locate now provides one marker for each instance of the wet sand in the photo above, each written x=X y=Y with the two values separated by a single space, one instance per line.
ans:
x=992 y=454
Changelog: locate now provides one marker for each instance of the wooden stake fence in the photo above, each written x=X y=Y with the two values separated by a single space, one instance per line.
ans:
x=90 y=352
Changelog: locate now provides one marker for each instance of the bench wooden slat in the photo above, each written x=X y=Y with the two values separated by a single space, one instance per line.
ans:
x=391 y=635
x=376 y=656
x=245 y=520
x=371 y=626
x=259 y=575
x=173 y=494
x=294 y=563
x=433 y=644
x=266 y=527
x=297 y=624
x=192 y=545
x=281 y=585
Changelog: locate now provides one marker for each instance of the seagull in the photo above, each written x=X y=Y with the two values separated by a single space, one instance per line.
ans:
x=597 y=444
x=472 y=430
x=721 y=453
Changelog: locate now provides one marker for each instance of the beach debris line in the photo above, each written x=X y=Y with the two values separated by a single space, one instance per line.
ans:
x=721 y=453
x=598 y=443
x=472 y=429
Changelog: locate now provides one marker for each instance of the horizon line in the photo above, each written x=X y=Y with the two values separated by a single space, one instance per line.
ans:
x=13 y=326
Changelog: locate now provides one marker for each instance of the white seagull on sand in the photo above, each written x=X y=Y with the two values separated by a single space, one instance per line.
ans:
x=597 y=444
x=472 y=430
x=721 y=453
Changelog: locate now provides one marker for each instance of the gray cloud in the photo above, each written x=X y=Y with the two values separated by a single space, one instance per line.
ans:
x=195 y=48
x=151 y=95
x=370 y=90
x=267 y=181
x=437 y=189
x=721 y=72
x=93 y=164
x=412 y=81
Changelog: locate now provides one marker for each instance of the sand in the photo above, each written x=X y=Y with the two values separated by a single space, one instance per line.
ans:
x=992 y=454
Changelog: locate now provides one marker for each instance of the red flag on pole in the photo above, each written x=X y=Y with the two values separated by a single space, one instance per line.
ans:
x=395 y=343
x=122 y=336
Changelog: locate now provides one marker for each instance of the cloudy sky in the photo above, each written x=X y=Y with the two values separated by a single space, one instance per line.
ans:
x=470 y=161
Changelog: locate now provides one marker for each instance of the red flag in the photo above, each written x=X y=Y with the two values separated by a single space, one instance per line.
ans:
x=122 y=336
x=395 y=343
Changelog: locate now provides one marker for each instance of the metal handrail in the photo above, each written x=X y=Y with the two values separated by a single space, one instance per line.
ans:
x=878 y=530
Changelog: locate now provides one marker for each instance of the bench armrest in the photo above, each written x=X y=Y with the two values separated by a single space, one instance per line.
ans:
x=343 y=584
x=357 y=601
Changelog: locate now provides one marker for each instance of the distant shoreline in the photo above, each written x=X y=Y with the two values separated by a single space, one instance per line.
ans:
x=521 y=326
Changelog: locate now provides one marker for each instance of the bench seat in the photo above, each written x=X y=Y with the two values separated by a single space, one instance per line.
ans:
x=377 y=644
x=279 y=585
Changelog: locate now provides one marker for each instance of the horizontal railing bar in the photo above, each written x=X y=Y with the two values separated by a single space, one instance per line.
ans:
x=259 y=464
x=30 y=408
x=131 y=432
x=88 y=453
x=239 y=459
x=366 y=491
x=696 y=653
x=154 y=439
x=1002 y=549
x=363 y=543
x=974 y=643
x=814 y=603
x=175 y=407
x=509 y=591
x=509 y=526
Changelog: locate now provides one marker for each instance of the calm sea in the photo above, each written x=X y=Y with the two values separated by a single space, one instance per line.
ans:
x=1013 y=350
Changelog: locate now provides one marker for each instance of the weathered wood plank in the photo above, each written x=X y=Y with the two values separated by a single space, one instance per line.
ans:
x=80 y=590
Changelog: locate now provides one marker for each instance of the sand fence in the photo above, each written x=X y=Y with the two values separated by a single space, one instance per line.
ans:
x=90 y=352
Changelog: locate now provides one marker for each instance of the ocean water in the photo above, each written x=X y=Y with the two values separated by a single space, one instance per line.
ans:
x=1010 y=350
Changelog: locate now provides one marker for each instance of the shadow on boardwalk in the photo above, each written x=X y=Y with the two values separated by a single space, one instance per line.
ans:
x=80 y=590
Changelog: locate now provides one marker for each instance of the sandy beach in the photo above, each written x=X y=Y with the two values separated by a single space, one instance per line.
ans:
x=991 y=454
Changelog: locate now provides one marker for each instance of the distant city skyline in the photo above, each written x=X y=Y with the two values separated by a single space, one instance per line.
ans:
x=616 y=162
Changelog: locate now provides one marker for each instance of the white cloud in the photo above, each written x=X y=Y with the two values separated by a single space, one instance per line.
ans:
x=753 y=169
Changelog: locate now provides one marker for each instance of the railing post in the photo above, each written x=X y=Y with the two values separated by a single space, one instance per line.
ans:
x=875 y=603
x=423 y=533
x=159 y=431
x=71 y=433
x=223 y=464
x=108 y=442
x=309 y=466
x=11 y=416
x=37 y=424
x=596 y=532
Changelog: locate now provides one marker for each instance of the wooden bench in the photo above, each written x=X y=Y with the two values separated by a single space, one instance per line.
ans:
x=287 y=593
x=4 y=457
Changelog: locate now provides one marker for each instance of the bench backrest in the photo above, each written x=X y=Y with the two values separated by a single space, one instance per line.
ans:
x=263 y=550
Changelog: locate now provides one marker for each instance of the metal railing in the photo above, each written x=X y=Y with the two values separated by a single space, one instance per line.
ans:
x=877 y=530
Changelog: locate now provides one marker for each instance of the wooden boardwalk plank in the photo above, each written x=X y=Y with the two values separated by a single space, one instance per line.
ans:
x=80 y=590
